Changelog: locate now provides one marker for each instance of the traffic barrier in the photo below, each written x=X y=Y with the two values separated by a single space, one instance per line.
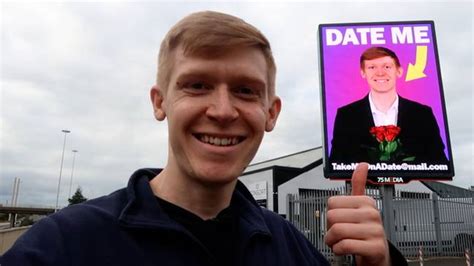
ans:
x=467 y=254
x=420 y=255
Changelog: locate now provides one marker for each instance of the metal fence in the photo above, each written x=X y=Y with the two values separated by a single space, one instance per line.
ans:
x=421 y=221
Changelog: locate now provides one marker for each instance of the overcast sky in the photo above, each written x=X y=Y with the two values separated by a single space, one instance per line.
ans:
x=88 y=67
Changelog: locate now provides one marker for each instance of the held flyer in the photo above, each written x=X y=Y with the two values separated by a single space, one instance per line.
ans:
x=383 y=102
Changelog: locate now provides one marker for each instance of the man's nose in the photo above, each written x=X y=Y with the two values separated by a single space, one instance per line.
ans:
x=222 y=106
x=380 y=71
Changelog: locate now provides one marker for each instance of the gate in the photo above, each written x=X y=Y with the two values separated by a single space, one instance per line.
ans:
x=422 y=221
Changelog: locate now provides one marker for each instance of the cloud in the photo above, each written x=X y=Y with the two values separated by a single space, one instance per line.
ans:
x=88 y=67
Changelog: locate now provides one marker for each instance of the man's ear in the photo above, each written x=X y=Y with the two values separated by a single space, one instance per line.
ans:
x=273 y=112
x=362 y=73
x=157 y=99
x=399 y=72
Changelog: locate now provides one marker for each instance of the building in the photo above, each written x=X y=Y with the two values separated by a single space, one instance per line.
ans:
x=436 y=216
x=297 y=174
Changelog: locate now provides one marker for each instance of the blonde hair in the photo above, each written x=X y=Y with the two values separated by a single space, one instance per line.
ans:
x=210 y=33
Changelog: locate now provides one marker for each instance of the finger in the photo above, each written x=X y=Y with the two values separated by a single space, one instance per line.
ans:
x=372 y=251
x=350 y=202
x=356 y=216
x=359 y=178
x=341 y=231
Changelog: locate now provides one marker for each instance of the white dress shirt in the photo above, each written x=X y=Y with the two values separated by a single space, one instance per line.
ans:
x=384 y=118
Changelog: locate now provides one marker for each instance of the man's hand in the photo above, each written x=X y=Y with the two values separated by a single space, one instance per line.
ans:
x=355 y=226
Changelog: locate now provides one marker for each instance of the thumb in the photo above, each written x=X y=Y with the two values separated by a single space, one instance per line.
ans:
x=359 y=178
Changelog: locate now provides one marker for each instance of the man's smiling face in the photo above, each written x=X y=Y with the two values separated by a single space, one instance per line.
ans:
x=381 y=74
x=218 y=109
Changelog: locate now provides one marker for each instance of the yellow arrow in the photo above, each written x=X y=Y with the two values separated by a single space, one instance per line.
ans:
x=416 y=71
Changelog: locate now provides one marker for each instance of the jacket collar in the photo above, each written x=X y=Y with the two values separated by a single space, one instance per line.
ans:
x=143 y=211
x=401 y=109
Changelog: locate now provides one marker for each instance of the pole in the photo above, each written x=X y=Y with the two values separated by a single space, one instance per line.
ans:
x=17 y=192
x=437 y=223
x=388 y=212
x=13 y=192
x=340 y=260
x=65 y=131
x=467 y=254
x=72 y=171
x=420 y=256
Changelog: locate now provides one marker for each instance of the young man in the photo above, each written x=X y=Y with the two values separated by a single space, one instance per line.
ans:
x=216 y=88
x=419 y=135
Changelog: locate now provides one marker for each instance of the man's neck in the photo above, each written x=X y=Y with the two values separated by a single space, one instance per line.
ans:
x=383 y=101
x=204 y=200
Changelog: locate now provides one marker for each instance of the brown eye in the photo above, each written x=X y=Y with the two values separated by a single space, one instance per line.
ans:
x=245 y=90
x=197 y=86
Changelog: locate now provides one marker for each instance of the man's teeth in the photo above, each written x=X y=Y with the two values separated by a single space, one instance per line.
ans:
x=219 y=141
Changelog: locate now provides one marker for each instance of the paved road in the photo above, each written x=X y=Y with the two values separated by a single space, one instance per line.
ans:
x=442 y=262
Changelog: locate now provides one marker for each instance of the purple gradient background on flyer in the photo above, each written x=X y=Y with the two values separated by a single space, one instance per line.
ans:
x=343 y=83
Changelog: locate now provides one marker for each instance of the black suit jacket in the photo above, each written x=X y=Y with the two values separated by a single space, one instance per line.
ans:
x=419 y=133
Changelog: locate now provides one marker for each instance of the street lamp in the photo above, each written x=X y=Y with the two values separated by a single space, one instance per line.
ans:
x=72 y=171
x=65 y=131
x=16 y=190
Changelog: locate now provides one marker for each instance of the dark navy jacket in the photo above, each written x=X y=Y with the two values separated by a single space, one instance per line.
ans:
x=128 y=227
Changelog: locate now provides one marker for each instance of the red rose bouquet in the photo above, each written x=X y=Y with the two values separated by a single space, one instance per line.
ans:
x=390 y=147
